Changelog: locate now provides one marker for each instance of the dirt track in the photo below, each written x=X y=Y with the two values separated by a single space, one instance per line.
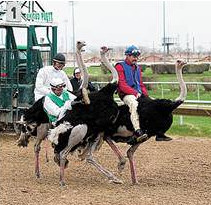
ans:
x=175 y=172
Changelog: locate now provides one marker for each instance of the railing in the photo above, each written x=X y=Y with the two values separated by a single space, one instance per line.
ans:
x=187 y=83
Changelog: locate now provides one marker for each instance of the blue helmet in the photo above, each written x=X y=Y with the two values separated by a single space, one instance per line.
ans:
x=132 y=51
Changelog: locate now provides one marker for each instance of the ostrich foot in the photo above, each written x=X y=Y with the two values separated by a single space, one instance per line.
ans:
x=62 y=183
x=121 y=165
x=115 y=180
x=37 y=174
x=135 y=183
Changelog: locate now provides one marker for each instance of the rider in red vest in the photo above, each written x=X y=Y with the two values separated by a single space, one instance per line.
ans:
x=131 y=87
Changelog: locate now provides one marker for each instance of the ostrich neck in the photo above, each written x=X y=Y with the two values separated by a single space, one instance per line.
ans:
x=83 y=69
x=110 y=67
x=183 y=88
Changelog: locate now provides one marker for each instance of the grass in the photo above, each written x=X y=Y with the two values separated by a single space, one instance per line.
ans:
x=93 y=71
x=96 y=71
x=170 y=93
x=192 y=126
x=172 y=77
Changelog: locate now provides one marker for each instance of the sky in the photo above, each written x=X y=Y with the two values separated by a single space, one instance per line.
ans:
x=123 y=23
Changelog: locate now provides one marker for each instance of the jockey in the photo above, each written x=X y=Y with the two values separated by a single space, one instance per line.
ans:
x=45 y=74
x=131 y=87
x=57 y=101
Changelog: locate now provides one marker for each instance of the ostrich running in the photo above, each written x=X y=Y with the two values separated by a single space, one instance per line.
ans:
x=155 y=116
x=35 y=121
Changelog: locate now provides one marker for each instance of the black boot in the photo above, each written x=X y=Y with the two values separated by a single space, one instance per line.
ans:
x=162 y=138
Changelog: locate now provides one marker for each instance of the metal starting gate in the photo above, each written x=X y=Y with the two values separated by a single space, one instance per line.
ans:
x=19 y=64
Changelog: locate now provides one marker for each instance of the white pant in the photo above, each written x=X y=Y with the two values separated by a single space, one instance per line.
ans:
x=132 y=103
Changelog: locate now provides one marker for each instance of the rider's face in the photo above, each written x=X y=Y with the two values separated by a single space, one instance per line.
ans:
x=58 y=66
x=58 y=90
x=132 y=59
x=78 y=75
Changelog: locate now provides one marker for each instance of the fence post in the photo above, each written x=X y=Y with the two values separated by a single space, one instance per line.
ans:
x=181 y=120
x=162 y=94
x=198 y=94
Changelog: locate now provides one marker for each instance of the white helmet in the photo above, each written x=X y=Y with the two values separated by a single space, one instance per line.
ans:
x=77 y=70
x=57 y=82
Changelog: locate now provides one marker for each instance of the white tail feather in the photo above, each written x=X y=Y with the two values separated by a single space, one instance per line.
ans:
x=53 y=134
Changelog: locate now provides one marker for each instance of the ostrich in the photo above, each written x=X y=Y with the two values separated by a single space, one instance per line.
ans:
x=35 y=121
x=155 y=116
x=82 y=128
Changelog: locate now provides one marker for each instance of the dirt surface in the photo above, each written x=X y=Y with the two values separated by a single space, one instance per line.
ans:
x=174 y=172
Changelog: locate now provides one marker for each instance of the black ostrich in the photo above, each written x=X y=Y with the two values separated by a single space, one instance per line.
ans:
x=155 y=119
x=82 y=128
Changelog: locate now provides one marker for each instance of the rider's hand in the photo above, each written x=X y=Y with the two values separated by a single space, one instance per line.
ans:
x=138 y=95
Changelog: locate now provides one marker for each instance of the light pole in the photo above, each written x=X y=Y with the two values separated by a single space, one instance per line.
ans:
x=164 y=33
x=73 y=33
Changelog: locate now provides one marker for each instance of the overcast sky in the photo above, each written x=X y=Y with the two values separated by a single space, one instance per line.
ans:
x=124 y=23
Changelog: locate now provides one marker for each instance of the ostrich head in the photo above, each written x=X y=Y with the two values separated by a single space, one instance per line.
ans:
x=167 y=106
x=80 y=45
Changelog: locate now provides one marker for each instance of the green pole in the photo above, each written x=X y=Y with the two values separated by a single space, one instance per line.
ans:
x=29 y=51
x=54 y=42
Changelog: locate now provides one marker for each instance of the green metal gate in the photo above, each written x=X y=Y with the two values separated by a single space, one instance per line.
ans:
x=19 y=67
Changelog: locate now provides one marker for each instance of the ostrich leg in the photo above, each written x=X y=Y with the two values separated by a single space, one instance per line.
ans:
x=130 y=154
x=77 y=135
x=107 y=173
x=46 y=150
x=41 y=134
x=91 y=160
x=122 y=160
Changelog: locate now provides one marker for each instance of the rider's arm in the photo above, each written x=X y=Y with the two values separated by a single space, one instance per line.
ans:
x=67 y=82
x=40 y=83
x=143 y=87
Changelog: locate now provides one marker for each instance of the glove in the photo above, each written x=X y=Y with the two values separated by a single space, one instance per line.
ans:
x=76 y=102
